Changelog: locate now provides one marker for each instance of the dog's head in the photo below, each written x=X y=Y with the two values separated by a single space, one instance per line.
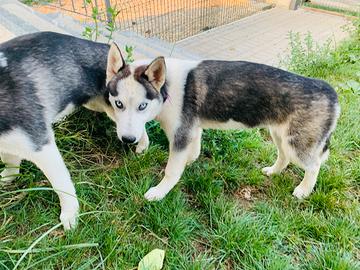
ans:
x=136 y=92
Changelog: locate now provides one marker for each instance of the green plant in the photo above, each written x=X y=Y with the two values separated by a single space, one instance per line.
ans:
x=129 y=54
x=36 y=2
x=111 y=23
x=306 y=56
x=347 y=12
x=92 y=32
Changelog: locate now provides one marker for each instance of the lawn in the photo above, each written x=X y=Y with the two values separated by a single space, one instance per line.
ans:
x=224 y=214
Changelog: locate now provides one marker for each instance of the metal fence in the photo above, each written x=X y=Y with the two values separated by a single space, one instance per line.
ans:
x=352 y=7
x=171 y=20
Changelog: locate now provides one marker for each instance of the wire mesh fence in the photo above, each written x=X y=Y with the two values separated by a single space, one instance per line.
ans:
x=168 y=20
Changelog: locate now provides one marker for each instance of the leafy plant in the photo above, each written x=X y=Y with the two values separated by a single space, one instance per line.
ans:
x=36 y=2
x=347 y=12
x=129 y=54
x=351 y=86
x=306 y=55
x=92 y=32
x=111 y=25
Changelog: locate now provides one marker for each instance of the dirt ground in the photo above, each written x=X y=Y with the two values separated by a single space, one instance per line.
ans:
x=137 y=8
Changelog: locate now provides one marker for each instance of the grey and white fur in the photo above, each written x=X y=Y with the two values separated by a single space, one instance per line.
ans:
x=44 y=77
x=188 y=96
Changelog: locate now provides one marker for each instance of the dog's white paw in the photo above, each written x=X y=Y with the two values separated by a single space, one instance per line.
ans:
x=301 y=192
x=155 y=194
x=7 y=176
x=269 y=171
x=69 y=213
x=68 y=220
x=141 y=147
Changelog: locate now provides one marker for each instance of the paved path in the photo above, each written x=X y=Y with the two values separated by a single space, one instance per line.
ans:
x=17 y=19
x=263 y=37
x=5 y=34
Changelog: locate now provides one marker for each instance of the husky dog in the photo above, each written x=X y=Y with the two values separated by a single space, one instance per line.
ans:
x=43 y=77
x=188 y=96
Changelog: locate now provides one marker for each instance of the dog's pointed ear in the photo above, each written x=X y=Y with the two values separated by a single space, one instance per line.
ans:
x=156 y=72
x=115 y=62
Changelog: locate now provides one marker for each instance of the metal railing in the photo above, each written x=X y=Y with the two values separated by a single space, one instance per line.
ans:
x=170 y=20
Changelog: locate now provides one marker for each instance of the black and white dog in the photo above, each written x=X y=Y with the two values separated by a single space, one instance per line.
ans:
x=43 y=77
x=188 y=96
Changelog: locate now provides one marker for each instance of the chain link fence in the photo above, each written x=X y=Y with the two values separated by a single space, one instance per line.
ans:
x=170 y=20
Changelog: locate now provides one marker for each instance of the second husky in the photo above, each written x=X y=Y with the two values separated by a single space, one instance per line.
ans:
x=188 y=96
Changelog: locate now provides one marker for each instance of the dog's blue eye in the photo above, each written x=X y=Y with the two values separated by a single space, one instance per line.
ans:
x=142 y=106
x=119 y=104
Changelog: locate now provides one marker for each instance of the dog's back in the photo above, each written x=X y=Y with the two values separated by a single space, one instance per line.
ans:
x=41 y=74
x=259 y=95
x=256 y=94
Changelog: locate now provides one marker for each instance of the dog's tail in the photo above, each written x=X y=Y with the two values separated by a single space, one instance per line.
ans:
x=326 y=151
x=335 y=114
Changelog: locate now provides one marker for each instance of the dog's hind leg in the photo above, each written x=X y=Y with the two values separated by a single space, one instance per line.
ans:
x=308 y=183
x=12 y=167
x=49 y=160
x=309 y=157
x=282 y=158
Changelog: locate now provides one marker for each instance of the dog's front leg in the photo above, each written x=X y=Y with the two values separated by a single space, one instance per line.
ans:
x=173 y=171
x=143 y=143
x=49 y=160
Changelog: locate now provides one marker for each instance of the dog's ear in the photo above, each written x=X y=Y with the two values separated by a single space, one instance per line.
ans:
x=115 y=62
x=156 y=72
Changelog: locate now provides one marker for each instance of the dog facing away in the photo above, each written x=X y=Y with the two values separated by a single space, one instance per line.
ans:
x=188 y=96
x=44 y=77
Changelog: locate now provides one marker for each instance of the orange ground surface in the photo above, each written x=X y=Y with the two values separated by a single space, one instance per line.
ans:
x=133 y=9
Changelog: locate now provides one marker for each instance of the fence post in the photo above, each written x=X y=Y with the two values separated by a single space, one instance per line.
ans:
x=108 y=14
x=294 y=4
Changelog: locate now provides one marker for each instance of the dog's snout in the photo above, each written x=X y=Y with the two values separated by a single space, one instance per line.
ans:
x=128 y=139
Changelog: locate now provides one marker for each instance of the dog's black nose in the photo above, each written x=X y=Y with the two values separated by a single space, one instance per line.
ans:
x=128 y=139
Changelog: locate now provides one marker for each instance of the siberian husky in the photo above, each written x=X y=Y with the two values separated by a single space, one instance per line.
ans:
x=189 y=96
x=43 y=77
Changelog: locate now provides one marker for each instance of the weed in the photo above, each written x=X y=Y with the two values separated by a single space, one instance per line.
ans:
x=36 y=2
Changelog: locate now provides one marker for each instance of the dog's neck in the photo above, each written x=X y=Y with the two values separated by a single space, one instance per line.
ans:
x=176 y=78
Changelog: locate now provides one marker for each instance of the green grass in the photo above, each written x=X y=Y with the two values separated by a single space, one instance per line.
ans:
x=355 y=12
x=36 y=2
x=208 y=221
